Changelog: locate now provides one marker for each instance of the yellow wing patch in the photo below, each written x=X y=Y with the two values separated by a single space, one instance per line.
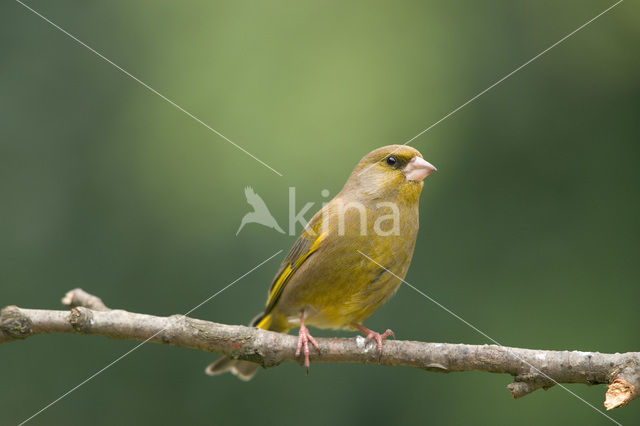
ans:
x=286 y=273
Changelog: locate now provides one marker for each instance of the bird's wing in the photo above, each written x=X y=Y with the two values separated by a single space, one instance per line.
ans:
x=254 y=199
x=304 y=247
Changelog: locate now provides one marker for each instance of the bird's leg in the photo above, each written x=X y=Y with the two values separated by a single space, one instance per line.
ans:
x=372 y=335
x=304 y=337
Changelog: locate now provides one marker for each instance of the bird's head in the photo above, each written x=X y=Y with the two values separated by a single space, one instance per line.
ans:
x=388 y=172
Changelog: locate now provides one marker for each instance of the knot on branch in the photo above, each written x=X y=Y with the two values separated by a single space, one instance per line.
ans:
x=526 y=383
x=81 y=319
x=79 y=297
x=14 y=323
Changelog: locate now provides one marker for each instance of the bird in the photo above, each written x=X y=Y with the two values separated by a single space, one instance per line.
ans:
x=328 y=280
x=260 y=213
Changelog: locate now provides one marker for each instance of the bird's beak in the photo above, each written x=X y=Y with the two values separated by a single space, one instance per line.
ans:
x=418 y=169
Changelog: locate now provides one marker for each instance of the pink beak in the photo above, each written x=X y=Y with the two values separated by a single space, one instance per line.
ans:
x=418 y=169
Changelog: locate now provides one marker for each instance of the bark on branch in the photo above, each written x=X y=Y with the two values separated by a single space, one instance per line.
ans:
x=531 y=369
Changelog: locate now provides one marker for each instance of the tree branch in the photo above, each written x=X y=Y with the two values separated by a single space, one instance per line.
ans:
x=531 y=369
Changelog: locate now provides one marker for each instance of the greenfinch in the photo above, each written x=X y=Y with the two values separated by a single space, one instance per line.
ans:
x=326 y=281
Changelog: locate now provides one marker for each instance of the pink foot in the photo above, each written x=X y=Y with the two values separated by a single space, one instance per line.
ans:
x=372 y=335
x=304 y=337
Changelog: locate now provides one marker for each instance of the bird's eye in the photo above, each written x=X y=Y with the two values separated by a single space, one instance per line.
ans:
x=391 y=160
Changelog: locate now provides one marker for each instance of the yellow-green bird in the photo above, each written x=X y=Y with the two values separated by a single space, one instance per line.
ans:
x=327 y=281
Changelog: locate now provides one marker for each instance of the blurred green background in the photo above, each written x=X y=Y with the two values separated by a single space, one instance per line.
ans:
x=529 y=230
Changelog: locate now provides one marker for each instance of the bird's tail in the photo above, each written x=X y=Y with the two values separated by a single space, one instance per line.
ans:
x=244 y=370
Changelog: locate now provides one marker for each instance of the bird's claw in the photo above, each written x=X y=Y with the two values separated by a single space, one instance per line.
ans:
x=379 y=337
x=372 y=335
x=304 y=337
